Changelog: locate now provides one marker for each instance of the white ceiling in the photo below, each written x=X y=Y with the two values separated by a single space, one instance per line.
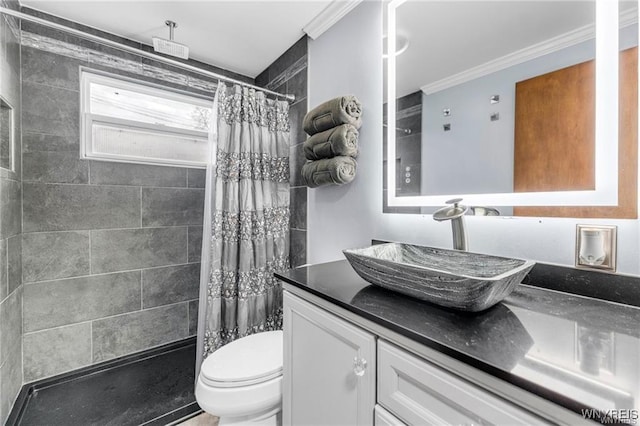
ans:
x=244 y=36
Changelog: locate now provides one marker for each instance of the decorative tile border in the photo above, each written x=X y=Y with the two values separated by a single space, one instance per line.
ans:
x=97 y=57
x=291 y=71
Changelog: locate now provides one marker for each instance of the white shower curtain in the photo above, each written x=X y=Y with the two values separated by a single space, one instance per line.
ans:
x=246 y=222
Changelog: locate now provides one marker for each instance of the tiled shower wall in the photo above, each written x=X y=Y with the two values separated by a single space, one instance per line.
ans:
x=11 y=288
x=111 y=251
x=288 y=74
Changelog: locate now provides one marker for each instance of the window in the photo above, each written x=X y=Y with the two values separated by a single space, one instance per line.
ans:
x=132 y=122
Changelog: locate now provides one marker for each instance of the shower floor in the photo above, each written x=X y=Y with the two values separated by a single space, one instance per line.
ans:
x=146 y=389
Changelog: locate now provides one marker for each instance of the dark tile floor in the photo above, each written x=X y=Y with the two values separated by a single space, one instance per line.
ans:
x=155 y=390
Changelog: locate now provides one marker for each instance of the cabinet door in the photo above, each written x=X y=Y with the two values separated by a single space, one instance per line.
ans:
x=420 y=393
x=328 y=370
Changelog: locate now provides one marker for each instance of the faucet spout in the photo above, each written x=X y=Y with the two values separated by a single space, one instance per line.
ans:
x=455 y=214
x=459 y=234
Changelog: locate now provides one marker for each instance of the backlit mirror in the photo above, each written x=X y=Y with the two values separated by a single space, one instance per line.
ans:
x=506 y=103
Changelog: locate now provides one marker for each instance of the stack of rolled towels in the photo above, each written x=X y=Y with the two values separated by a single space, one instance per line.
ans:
x=332 y=147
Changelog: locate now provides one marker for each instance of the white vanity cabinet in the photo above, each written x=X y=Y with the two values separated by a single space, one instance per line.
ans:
x=329 y=368
x=332 y=369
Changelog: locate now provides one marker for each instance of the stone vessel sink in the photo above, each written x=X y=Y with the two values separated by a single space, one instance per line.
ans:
x=455 y=279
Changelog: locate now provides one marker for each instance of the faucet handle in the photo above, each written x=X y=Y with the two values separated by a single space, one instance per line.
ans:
x=450 y=212
x=454 y=201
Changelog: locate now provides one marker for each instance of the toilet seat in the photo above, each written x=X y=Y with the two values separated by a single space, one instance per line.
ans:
x=247 y=361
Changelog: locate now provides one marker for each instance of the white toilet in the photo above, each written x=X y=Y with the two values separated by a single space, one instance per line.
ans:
x=241 y=383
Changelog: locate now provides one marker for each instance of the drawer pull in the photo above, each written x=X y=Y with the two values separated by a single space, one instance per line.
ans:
x=359 y=366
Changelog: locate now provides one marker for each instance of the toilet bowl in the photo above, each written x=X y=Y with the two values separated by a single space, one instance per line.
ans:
x=241 y=383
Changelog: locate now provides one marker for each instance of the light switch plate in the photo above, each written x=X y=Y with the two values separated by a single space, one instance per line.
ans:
x=596 y=247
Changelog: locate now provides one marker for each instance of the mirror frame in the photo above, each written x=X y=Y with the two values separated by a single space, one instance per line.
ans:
x=606 y=128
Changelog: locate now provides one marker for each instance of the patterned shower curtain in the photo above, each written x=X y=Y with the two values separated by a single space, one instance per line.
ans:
x=246 y=229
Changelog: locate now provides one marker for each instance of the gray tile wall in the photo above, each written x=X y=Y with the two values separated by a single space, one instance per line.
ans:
x=288 y=74
x=111 y=251
x=11 y=289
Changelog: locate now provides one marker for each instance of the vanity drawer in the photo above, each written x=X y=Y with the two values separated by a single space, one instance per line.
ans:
x=384 y=418
x=419 y=393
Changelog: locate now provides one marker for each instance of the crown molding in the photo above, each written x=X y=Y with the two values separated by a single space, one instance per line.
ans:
x=535 y=51
x=331 y=14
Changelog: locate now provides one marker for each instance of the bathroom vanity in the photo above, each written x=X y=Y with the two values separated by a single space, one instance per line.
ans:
x=359 y=354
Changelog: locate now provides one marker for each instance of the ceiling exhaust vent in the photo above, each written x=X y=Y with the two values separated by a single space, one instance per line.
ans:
x=170 y=47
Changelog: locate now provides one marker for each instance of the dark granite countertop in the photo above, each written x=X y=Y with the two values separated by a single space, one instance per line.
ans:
x=576 y=351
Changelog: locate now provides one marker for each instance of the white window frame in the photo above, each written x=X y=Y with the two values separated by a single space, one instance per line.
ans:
x=88 y=119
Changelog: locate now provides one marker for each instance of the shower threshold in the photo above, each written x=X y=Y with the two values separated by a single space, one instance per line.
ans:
x=153 y=387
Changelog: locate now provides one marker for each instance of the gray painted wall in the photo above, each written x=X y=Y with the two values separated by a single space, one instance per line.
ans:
x=347 y=59
x=288 y=74
x=11 y=288
x=111 y=251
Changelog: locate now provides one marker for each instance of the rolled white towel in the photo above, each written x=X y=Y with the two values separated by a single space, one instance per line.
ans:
x=332 y=113
x=331 y=171
x=340 y=140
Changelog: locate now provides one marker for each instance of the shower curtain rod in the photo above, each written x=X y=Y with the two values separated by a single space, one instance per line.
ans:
x=136 y=51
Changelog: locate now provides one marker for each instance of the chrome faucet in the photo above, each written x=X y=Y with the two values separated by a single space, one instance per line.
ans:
x=455 y=214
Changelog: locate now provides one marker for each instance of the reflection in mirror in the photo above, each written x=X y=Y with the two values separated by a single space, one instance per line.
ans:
x=6 y=135
x=497 y=98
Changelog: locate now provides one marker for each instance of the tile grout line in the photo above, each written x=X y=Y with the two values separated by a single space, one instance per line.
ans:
x=6 y=265
x=90 y=258
x=187 y=244
x=100 y=185
x=22 y=337
x=59 y=326
x=109 y=229
x=91 y=361
x=109 y=317
x=126 y=271
x=140 y=206
x=141 y=290
x=188 y=317
x=186 y=326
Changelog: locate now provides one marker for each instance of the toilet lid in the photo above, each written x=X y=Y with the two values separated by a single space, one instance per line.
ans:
x=249 y=360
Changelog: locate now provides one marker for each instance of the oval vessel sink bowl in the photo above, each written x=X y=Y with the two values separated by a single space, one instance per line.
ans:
x=455 y=279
